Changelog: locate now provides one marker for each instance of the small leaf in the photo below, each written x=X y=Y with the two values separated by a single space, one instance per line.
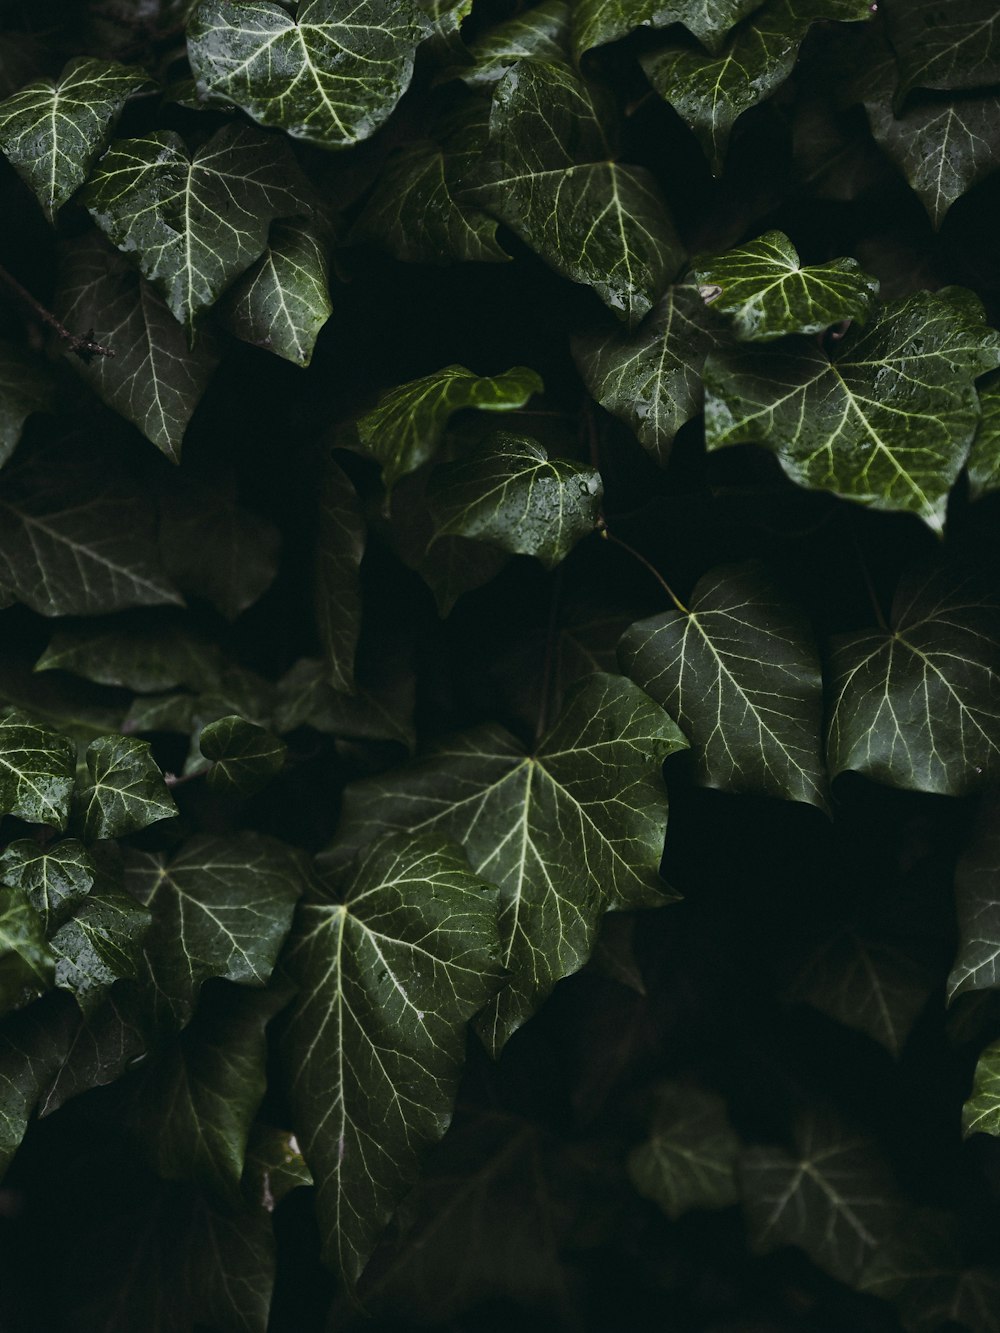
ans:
x=339 y=547
x=596 y=22
x=36 y=771
x=945 y=45
x=539 y=33
x=146 y=653
x=55 y=878
x=507 y=491
x=411 y=951
x=981 y=1112
x=25 y=388
x=977 y=900
x=331 y=75
x=53 y=132
x=689 y=1160
x=984 y=456
x=274 y=1167
x=886 y=419
x=245 y=757
x=26 y=965
x=125 y=792
x=99 y=945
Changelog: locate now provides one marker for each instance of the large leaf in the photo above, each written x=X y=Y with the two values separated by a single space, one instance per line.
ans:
x=31 y=1045
x=244 y=757
x=331 y=74
x=945 y=45
x=55 y=878
x=125 y=791
x=885 y=420
x=555 y=182
x=25 y=388
x=597 y=22
x=195 y=221
x=977 y=901
x=99 y=945
x=568 y=833
x=27 y=968
x=53 y=132
x=689 y=1159
x=390 y=971
x=538 y=33
x=984 y=456
x=36 y=770
x=507 y=491
x=145 y=652
x=221 y=907
x=651 y=379
x=917 y=705
x=739 y=672
x=154 y=379
x=711 y=92
x=340 y=545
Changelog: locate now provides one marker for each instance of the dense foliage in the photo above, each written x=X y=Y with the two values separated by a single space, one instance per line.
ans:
x=431 y=432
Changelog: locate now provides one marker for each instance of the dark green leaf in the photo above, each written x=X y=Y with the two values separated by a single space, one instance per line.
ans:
x=125 y=791
x=55 y=878
x=984 y=456
x=390 y=976
x=25 y=387
x=331 y=75
x=244 y=757
x=383 y=713
x=539 y=33
x=977 y=901
x=945 y=45
x=596 y=22
x=339 y=548
x=981 y=1112
x=142 y=653
x=99 y=945
x=689 y=1160
x=95 y=1048
x=513 y=812
x=446 y=18
x=274 y=1167
x=31 y=1044
x=26 y=965
x=36 y=771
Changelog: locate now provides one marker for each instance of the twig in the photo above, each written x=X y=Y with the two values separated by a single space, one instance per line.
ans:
x=602 y=528
x=84 y=345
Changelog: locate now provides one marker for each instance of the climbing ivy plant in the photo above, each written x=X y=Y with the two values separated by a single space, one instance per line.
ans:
x=437 y=438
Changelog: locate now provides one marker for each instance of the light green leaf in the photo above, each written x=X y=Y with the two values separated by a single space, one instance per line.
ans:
x=125 y=792
x=651 y=379
x=154 y=379
x=221 y=907
x=591 y=219
x=195 y=222
x=917 y=705
x=711 y=92
x=568 y=833
x=36 y=770
x=539 y=33
x=144 y=652
x=739 y=671
x=26 y=965
x=284 y=301
x=25 y=388
x=406 y=428
x=945 y=45
x=53 y=132
x=55 y=878
x=689 y=1159
x=390 y=972
x=331 y=75
x=977 y=901
x=507 y=491
x=981 y=1111
x=99 y=945
x=597 y=22
x=766 y=292
x=984 y=456
x=886 y=419
x=244 y=757
x=340 y=546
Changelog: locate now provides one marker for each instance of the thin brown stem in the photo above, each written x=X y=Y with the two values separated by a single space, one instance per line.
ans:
x=610 y=536
x=84 y=344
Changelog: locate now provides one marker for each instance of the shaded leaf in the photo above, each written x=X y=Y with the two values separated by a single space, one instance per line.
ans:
x=55 y=878
x=596 y=22
x=142 y=653
x=36 y=771
x=26 y=965
x=689 y=1159
x=339 y=547
x=381 y=713
x=274 y=1167
x=125 y=791
x=95 y=1048
x=945 y=45
x=31 y=1043
x=977 y=901
x=244 y=757
x=25 y=388
x=984 y=456
x=539 y=33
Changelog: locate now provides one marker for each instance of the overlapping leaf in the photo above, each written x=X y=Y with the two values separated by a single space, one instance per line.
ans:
x=984 y=456
x=55 y=878
x=568 y=833
x=244 y=757
x=339 y=547
x=36 y=770
x=331 y=74
x=885 y=420
x=596 y=22
x=25 y=387
x=99 y=945
x=125 y=791
x=981 y=1112
x=539 y=33
x=142 y=652
x=739 y=672
x=389 y=975
x=31 y=1044
x=689 y=1159
x=27 y=967
x=383 y=713
x=945 y=45
x=917 y=705
x=977 y=900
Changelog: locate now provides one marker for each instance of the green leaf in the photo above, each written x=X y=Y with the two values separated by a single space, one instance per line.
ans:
x=977 y=901
x=832 y=1197
x=689 y=1159
x=99 y=945
x=984 y=456
x=55 y=878
x=195 y=222
x=917 y=705
x=568 y=833
x=711 y=92
x=125 y=791
x=596 y=22
x=981 y=1111
x=591 y=219
x=446 y=18
x=451 y=566
x=406 y=428
x=26 y=965
x=284 y=301
x=381 y=713
x=507 y=491
x=36 y=771
x=221 y=906
x=53 y=132
x=340 y=546
x=739 y=671
x=886 y=419
x=390 y=974
x=331 y=75
x=945 y=45
x=31 y=1045
x=651 y=379
x=274 y=1167
x=25 y=388
x=539 y=33
x=146 y=653
x=766 y=292
x=153 y=380
x=96 y=1048
x=244 y=757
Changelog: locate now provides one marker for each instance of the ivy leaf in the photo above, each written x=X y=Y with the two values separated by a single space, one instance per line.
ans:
x=194 y=221
x=94 y=1049
x=596 y=23
x=766 y=292
x=154 y=380
x=917 y=705
x=540 y=33
x=446 y=18
x=331 y=75
x=55 y=879
x=244 y=757
x=981 y=1111
x=977 y=900
x=511 y=811
x=339 y=548
x=739 y=672
x=651 y=379
x=507 y=491
x=26 y=966
x=99 y=945
x=832 y=1198
x=591 y=219
x=711 y=92
x=689 y=1159
x=406 y=428
x=31 y=1044
x=25 y=388
x=945 y=46
x=284 y=301
x=53 y=132
x=274 y=1167
x=125 y=792
x=984 y=457
x=221 y=907
x=36 y=771
x=885 y=420
x=146 y=653
x=389 y=977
